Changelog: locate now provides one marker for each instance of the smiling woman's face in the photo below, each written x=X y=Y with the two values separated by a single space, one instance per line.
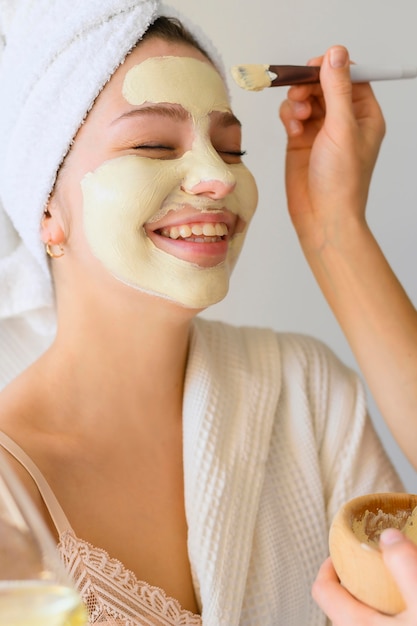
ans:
x=156 y=168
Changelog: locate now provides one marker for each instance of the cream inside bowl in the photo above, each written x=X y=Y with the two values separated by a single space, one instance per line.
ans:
x=354 y=546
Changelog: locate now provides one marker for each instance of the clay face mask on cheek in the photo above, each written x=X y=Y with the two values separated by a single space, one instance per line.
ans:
x=125 y=193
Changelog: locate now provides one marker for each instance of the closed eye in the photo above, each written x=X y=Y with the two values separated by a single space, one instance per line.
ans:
x=153 y=147
x=158 y=151
x=232 y=157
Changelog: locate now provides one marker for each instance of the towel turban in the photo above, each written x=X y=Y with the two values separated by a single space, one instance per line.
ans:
x=55 y=57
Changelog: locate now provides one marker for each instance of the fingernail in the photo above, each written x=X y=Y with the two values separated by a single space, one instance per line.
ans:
x=300 y=107
x=295 y=128
x=390 y=536
x=338 y=57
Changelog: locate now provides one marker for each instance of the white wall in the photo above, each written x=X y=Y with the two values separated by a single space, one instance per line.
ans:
x=272 y=284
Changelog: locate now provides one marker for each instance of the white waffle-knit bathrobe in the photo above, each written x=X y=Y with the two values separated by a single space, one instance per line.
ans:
x=276 y=438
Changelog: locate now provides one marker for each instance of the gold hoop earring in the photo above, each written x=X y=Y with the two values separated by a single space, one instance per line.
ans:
x=54 y=255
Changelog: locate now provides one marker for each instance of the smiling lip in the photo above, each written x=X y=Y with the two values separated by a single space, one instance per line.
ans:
x=198 y=237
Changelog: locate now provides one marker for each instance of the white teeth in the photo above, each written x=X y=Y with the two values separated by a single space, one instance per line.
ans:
x=174 y=233
x=209 y=230
x=197 y=229
x=221 y=230
x=185 y=231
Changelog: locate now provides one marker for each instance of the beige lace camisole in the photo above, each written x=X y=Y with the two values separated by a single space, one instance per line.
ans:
x=112 y=594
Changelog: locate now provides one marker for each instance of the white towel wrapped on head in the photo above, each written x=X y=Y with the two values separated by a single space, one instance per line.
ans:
x=55 y=57
x=45 y=97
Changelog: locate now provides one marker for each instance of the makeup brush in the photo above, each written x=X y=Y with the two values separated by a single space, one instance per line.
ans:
x=256 y=77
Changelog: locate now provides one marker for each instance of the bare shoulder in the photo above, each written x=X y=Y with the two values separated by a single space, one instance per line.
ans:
x=19 y=406
x=19 y=400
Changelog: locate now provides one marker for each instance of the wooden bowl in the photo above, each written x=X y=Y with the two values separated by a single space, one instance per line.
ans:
x=360 y=566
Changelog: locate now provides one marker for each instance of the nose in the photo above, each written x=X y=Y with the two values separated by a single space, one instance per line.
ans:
x=214 y=189
x=208 y=175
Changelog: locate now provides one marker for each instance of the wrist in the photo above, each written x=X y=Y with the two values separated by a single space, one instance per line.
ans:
x=341 y=235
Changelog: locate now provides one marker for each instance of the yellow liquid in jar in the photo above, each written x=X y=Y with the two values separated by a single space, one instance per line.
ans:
x=37 y=603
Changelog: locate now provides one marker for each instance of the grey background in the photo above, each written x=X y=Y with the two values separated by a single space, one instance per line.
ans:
x=272 y=284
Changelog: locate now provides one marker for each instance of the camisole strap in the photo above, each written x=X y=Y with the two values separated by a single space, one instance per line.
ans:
x=55 y=511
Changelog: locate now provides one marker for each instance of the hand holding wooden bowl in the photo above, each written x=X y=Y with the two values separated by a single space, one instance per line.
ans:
x=353 y=542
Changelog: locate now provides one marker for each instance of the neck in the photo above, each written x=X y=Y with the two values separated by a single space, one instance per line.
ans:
x=120 y=357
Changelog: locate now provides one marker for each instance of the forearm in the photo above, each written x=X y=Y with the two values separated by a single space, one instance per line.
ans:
x=334 y=134
x=378 y=320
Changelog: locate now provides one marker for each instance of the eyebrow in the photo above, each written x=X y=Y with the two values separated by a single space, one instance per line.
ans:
x=226 y=118
x=178 y=113
x=164 y=110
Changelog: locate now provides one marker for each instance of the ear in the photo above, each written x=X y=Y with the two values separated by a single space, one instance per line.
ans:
x=52 y=230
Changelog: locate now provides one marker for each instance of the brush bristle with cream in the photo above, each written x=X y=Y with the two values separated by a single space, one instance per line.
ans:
x=251 y=77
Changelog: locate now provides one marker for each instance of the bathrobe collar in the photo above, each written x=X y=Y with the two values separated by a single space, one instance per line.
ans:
x=228 y=413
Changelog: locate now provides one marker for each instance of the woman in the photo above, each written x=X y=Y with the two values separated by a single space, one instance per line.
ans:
x=185 y=456
x=327 y=201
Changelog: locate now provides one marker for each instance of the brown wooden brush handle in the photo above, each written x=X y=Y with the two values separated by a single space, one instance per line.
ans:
x=294 y=74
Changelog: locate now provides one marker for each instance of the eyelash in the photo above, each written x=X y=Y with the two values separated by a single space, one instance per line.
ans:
x=145 y=147
x=238 y=153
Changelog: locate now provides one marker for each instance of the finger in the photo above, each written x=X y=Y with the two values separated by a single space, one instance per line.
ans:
x=400 y=556
x=298 y=93
x=336 y=83
x=338 y=604
x=295 y=110
x=316 y=60
x=292 y=114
